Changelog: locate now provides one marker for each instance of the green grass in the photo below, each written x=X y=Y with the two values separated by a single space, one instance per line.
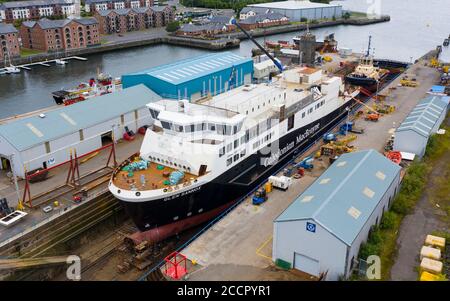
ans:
x=355 y=14
x=27 y=52
x=383 y=239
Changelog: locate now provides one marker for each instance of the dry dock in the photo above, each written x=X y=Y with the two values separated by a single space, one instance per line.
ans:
x=239 y=246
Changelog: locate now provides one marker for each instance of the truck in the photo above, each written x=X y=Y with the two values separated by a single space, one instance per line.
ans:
x=282 y=182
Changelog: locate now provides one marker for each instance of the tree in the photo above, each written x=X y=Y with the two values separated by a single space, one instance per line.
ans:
x=173 y=26
x=346 y=15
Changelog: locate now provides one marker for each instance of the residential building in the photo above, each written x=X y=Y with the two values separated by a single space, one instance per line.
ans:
x=56 y=35
x=131 y=19
x=99 y=5
x=36 y=9
x=263 y=20
x=9 y=42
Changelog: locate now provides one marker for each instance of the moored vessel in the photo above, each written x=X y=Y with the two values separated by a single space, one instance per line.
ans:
x=102 y=84
x=197 y=159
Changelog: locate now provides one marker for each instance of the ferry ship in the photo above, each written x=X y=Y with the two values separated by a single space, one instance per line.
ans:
x=101 y=85
x=197 y=159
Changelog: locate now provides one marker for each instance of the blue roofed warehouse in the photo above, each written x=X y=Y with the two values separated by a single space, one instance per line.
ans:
x=43 y=141
x=196 y=77
x=423 y=121
x=323 y=229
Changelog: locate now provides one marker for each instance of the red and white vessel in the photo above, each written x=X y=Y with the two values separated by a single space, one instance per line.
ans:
x=101 y=85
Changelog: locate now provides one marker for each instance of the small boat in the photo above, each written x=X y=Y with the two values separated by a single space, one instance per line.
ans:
x=12 y=70
x=101 y=85
x=60 y=62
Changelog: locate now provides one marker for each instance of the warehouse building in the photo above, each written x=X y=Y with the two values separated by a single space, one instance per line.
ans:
x=45 y=140
x=196 y=77
x=294 y=10
x=321 y=232
x=423 y=121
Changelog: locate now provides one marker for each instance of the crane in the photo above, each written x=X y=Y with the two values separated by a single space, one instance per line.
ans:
x=275 y=61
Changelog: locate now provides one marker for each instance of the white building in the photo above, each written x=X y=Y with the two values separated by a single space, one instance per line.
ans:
x=323 y=229
x=39 y=142
x=423 y=121
x=294 y=10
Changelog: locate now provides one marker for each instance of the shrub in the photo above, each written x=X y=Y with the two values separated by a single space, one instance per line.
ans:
x=388 y=220
x=368 y=249
x=375 y=237
x=173 y=26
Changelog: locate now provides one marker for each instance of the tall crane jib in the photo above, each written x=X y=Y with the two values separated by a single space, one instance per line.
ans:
x=275 y=61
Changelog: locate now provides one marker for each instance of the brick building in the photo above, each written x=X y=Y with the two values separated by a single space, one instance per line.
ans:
x=131 y=19
x=36 y=9
x=263 y=20
x=99 y=5
x=57 y=35
x=9 y=42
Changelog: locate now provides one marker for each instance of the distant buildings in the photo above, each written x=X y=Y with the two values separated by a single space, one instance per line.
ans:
x=131 y=19
x=295 y=10
x=36 y=9
x=56 y=35
x=9 y=42
x=263 y=20
x=216 y=25
x=99 y=5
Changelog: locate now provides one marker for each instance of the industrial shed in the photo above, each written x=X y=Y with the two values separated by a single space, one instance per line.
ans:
x=323 y=229
x=423 y=121
x=295 y=10
x=196 y=77
x=45 y=140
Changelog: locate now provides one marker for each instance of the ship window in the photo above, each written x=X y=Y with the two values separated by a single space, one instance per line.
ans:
x=175 y=164
x=200 y=126
x=189 y=214
x=236 y=143
x=211 y=126
x=189 y=128
x=154 y=113
x=166 y=125
x=246 y=112
x=236 y=157
x=247 y=135
x=229 y=147
x=243 y=153
x=229 y=161
x=178 y=128
x=222 y=151
x=220 y=129
x=235 y=129
x=242 y=139
x=303 y=114
x=228 y=129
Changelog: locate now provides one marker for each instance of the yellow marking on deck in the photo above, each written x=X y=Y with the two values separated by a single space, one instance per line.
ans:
x=258 y=251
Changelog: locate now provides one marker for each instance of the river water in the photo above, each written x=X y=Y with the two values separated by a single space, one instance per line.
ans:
x=416 y=27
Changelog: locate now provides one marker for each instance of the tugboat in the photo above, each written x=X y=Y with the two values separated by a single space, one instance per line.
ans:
x=366 y=74
x=101 y=85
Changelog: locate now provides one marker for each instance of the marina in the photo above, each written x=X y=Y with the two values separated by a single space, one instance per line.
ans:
x=249 y=164
x=46 y=63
